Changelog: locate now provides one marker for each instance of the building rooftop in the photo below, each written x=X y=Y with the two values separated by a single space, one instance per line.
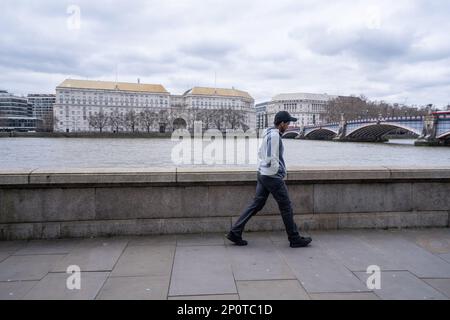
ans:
x=41 y=95
x=303 y=96
x=218 y=92
x=110 y=85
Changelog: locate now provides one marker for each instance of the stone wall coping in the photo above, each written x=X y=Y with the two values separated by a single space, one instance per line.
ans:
x=158 y=175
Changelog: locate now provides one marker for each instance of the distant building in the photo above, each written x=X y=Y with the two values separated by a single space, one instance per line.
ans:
x=261 y=115
x=220 y=103
x=78 y=102
x=43 y=108
x=16 y=114
x=308 y=108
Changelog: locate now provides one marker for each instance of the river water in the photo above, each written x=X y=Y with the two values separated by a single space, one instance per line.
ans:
x=63 y=153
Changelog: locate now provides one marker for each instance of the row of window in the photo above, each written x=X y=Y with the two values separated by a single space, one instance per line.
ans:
x=113 y=102
x=121 y=94
x=147 y=103
x=116 y=98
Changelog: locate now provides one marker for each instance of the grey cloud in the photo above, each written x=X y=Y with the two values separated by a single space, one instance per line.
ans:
x=285 y=46
x=369 y=44
x=209 y=49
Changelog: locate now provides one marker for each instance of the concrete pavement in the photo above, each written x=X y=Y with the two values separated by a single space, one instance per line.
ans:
x=414 y=264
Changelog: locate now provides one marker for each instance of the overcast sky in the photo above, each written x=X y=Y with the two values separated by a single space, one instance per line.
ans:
x=397 y=51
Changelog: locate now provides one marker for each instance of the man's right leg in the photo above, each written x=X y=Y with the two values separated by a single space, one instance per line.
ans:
x=258 y=203
x=278 y=189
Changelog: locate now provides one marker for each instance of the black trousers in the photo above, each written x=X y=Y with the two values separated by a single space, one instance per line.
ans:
x=269 y=185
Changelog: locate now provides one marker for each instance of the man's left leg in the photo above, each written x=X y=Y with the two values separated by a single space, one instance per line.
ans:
x=258 y=203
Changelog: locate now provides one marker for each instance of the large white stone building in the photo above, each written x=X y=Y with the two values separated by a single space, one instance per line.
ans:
x=77 y=101
x=308 y=108
x=220 y=102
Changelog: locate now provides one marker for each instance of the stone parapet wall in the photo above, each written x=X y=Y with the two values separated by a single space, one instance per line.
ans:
x=103 y=202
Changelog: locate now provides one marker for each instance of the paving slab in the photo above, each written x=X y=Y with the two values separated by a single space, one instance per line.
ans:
x=145 y=261
x=442 y=285
x=205 y=239
x=33 y=267
x=434 y=240
x=41 y=247
x=152 y=240
x=15 y=290
x=403 y=285
x=434 y=244
x=356 y=255
x=135 y=288
x=94 y=255
x=207 y=297
x=54 y=287
x=415 y=265
x=11 y=246
x=406 y=255
x=3 y=256
x=202 y=270
x=344 y=296
x=271 y=290
x=258 y=261
x=278 y=236
x=320 y=272
x=446 y=257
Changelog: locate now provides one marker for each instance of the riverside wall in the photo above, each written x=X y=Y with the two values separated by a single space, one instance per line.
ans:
x=46 y=204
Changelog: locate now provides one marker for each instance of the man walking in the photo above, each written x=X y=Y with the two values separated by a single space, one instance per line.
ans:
x=271 y=172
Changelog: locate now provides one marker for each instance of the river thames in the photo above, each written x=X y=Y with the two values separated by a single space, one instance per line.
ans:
x=61 y=153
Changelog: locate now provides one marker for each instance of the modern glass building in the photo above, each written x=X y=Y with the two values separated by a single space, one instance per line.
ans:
x=16 y=114
x=43 y=109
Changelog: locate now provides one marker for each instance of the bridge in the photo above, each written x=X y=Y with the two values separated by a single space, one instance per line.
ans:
x=433 y=129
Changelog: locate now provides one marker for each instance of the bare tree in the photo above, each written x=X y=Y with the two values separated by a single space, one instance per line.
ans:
x=219 y=118
x=206 y=116
x=115 y=121
x=355 y=108
x=235 y=118
x=148 y=118
x=98 y=120
x=131 y=120
x=352 y=107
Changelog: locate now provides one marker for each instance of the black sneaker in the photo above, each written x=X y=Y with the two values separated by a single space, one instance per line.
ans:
x=237 y=240
x=301 y=242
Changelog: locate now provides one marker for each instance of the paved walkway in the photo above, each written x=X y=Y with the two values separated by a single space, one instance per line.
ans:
x=415 y=264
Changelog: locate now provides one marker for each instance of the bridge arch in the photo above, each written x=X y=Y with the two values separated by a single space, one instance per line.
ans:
x=444 y=136
x=290 y=134
x=375 y=131
x=321 y=134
